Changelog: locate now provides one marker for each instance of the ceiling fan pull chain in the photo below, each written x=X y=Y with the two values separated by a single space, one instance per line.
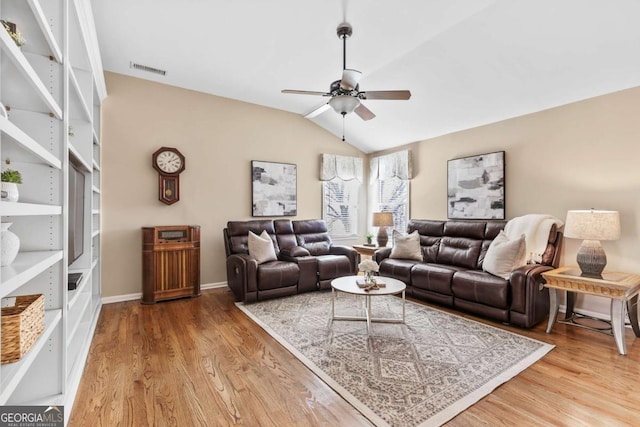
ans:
x=343 y=116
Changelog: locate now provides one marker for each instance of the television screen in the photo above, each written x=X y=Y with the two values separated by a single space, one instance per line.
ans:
x=76 y=213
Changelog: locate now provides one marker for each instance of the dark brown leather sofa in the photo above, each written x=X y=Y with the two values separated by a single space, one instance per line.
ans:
x=451 y=272
x=307 y=259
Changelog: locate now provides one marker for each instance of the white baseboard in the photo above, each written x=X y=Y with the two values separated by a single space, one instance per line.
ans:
x=138 y=295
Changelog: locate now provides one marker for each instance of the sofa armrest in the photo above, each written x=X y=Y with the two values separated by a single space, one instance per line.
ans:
x=381 y=254
x=242 y=277
x=349 y=252
x=293 y=252
x=529 y=297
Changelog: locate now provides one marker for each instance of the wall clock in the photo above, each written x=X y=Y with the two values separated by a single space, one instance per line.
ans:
x=169 y=163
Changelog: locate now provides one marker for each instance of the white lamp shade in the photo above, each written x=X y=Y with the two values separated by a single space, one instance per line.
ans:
x=344 y=104
x=592 y=225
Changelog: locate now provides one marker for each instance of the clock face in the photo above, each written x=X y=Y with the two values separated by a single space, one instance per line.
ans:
x=169 y=161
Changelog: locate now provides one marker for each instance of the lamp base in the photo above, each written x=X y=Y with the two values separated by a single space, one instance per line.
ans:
x=383 y=237
x=591 y=258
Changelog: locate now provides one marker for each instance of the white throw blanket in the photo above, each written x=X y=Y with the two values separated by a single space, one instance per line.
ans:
x=536 y=229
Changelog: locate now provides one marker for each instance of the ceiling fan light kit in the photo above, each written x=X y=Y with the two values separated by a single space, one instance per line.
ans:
x=344 y=104
x=345 y=93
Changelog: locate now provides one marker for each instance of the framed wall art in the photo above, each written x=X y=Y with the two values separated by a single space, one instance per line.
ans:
x=274 y=189
x=475 y=187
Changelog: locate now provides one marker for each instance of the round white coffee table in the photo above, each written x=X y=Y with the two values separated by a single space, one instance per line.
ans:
x=348 y=285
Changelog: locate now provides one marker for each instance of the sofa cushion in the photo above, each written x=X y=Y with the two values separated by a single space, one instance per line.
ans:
x=317 y=248
x=481 y=287
x=398 y=269
x=406 y=246
x=459 y=251
x=238 y=231
x=504 y=255
x=261 y=247
x=433 y=277
x=277 y=274
x=332 y=266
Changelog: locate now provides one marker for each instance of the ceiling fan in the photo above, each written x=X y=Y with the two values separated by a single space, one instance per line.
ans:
x=345 y=93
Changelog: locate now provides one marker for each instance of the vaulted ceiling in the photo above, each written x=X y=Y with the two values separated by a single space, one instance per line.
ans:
x=466 y=62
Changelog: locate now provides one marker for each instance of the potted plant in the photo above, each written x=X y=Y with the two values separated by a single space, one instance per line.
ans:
x=369 y=238
x=14 y=33
x=10 y=180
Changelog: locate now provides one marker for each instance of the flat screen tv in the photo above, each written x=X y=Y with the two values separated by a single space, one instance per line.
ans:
x=76 y=213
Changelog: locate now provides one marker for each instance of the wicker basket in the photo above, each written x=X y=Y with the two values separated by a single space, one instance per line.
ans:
x=22 y=324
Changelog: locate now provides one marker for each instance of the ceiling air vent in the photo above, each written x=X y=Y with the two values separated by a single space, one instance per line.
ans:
x=147 y=68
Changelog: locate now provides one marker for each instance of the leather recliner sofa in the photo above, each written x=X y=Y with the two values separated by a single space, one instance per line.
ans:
x=307 y=259
x=451 y=273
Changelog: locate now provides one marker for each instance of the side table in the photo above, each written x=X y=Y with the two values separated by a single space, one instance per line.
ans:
x=621 y=288
x=366 y=250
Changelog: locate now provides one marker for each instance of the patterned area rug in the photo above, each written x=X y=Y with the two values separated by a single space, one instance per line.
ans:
x=421 y=373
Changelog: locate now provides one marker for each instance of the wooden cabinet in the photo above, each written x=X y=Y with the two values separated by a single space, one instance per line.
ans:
x=170 y=262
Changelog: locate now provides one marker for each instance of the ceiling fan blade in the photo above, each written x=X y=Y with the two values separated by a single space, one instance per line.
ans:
x=364 y=113
x=350 y=79
x=305 y=92
x=321 y=109
x=385 y=94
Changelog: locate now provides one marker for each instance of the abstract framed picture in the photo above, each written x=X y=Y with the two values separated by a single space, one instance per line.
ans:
x=274 y=189
x=475 y=187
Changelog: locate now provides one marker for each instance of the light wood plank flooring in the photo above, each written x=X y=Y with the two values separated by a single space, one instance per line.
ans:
x=202 y=362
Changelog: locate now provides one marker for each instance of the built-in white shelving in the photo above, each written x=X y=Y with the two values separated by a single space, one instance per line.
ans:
x=52 y=88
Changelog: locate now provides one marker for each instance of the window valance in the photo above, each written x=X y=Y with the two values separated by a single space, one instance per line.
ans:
x=343 y=167
x=392 y=165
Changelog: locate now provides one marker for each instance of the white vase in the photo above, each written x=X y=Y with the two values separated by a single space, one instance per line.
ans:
x=9 y=244
x=10 y=192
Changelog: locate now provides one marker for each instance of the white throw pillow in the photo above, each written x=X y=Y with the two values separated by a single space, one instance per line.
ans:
x=505 y=255
x=261 y=247
x=406 y=246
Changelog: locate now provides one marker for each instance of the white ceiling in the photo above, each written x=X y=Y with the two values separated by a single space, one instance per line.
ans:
x=466 y=62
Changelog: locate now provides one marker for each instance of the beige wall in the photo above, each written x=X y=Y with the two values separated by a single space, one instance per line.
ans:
x=579 y=156
x=219 y=137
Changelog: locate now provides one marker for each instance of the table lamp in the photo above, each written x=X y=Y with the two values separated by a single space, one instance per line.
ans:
x=382 y=220
x=592 y=226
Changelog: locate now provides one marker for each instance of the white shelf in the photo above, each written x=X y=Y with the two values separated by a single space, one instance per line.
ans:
x=75 y=294
x=80 y=97
x=79 y=157
x=26 y=266
x=81 y=306
x=12 y=373
x=15 y=54
x=57 y=82
x=25 y=209
x=46 y=29
x=28 y=143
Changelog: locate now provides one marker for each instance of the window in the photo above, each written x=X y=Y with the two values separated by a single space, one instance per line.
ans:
x=392 y=195
x=340 y=206
x=341 y=178
x=389 y=186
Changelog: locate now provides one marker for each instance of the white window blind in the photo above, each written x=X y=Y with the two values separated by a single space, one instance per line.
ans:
x=389 y=183
x=341 y=185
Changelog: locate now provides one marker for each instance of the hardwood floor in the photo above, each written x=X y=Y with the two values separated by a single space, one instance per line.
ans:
x=201 y=361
